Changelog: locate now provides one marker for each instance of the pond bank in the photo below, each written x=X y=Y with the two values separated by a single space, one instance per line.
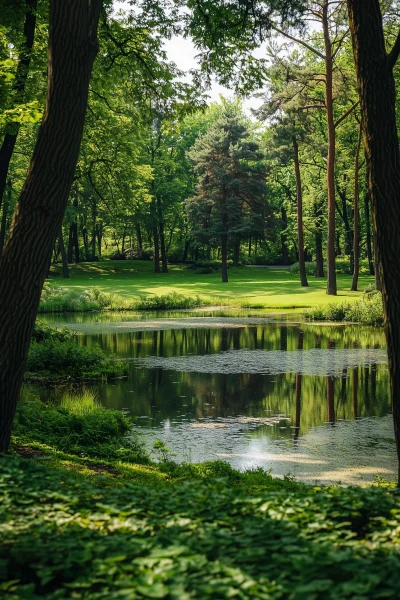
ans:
x=323 y=387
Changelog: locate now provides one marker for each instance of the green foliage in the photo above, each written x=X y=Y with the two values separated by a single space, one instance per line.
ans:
x=57 y=299
x=368 y=310
x=168 y=301
x=206 y=539
x=81 y=403
x=79 y=426
x=43 y=332
x=54 y=359
x=310 y=268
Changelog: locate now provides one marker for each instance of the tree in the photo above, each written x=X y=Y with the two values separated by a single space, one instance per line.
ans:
x=38 y=216
x=374 y=68
x=231 y=177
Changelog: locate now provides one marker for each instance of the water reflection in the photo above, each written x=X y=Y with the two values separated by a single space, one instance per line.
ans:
x=326 y=387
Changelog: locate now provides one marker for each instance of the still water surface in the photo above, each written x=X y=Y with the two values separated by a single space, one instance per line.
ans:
x=254 y=390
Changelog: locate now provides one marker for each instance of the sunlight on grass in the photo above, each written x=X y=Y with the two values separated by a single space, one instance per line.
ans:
x=261 y=288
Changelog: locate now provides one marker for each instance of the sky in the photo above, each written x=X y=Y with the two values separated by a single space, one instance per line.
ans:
x=182 y=52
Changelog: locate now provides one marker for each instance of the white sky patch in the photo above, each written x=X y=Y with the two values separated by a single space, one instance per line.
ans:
x=182 y=52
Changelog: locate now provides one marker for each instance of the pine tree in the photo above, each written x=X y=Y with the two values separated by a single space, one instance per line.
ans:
x=231 y=189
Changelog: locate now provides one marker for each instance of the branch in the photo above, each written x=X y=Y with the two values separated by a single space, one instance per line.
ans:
x=298 y=41
x=394 y=53
x=312 y=106
x=346 y=114
x=340 y=42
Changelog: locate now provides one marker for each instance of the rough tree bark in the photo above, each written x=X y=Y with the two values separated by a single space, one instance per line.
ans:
x=331 y=287
x=4 y=216
x=319 y=257
x=299 y=199
x=284 y=225
x=10 y=137
x=356 y=240
x=25 y=259
x=374 y=69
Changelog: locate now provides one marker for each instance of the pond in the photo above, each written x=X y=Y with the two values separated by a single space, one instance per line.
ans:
x=256 y=390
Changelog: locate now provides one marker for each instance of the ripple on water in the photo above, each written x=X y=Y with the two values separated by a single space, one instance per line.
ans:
x=269 y=362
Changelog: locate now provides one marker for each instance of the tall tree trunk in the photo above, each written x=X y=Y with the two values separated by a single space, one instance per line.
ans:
x=349 y=234
x=319 y=257
x=156 y=250
x=331 y=288
x=378 y=284
x=26 y=257
x=374 y=69
x=161 y=233
x=236 y=250
x=368 y=234
x=139 y=238
x=94 y=230
x=76 y=241
x=63 y=255
x=356 y=241
x=4 y=216
x=85 y=238
x=10 y=137
x=70 y=243
x=284 y=251
x=299 y=198
x=224 y=257
x=186 y=250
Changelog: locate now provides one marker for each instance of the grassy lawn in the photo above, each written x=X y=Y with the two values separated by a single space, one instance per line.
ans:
x=253 y=287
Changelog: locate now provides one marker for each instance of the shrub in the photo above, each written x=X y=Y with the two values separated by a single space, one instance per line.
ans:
x=311 y=268
x=43 y=332
x=168 y=301
x=57 y=359
x=88 y=429
x=56 y=298
x=368 y=310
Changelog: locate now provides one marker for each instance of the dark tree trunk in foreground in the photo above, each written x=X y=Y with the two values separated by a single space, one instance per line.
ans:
x=299 y=199
x=10 y=137
x=374 y=69
x=63 y=255
x=356 y=241
x=26 y=257
x=378 y=284
x=4 y=216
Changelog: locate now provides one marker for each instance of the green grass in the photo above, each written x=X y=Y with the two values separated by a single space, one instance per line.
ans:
x=247 y=287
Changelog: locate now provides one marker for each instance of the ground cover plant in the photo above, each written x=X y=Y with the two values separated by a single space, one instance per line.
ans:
x=208 y=537
x=55 y=355
x=77 y=522
x=134 y=281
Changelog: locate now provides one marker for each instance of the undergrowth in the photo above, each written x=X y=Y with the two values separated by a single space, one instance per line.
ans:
x=74 y=528
x=53 y=360
x=200 y=539
x=79 y=426
x=59 y=299
x=368 y=310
